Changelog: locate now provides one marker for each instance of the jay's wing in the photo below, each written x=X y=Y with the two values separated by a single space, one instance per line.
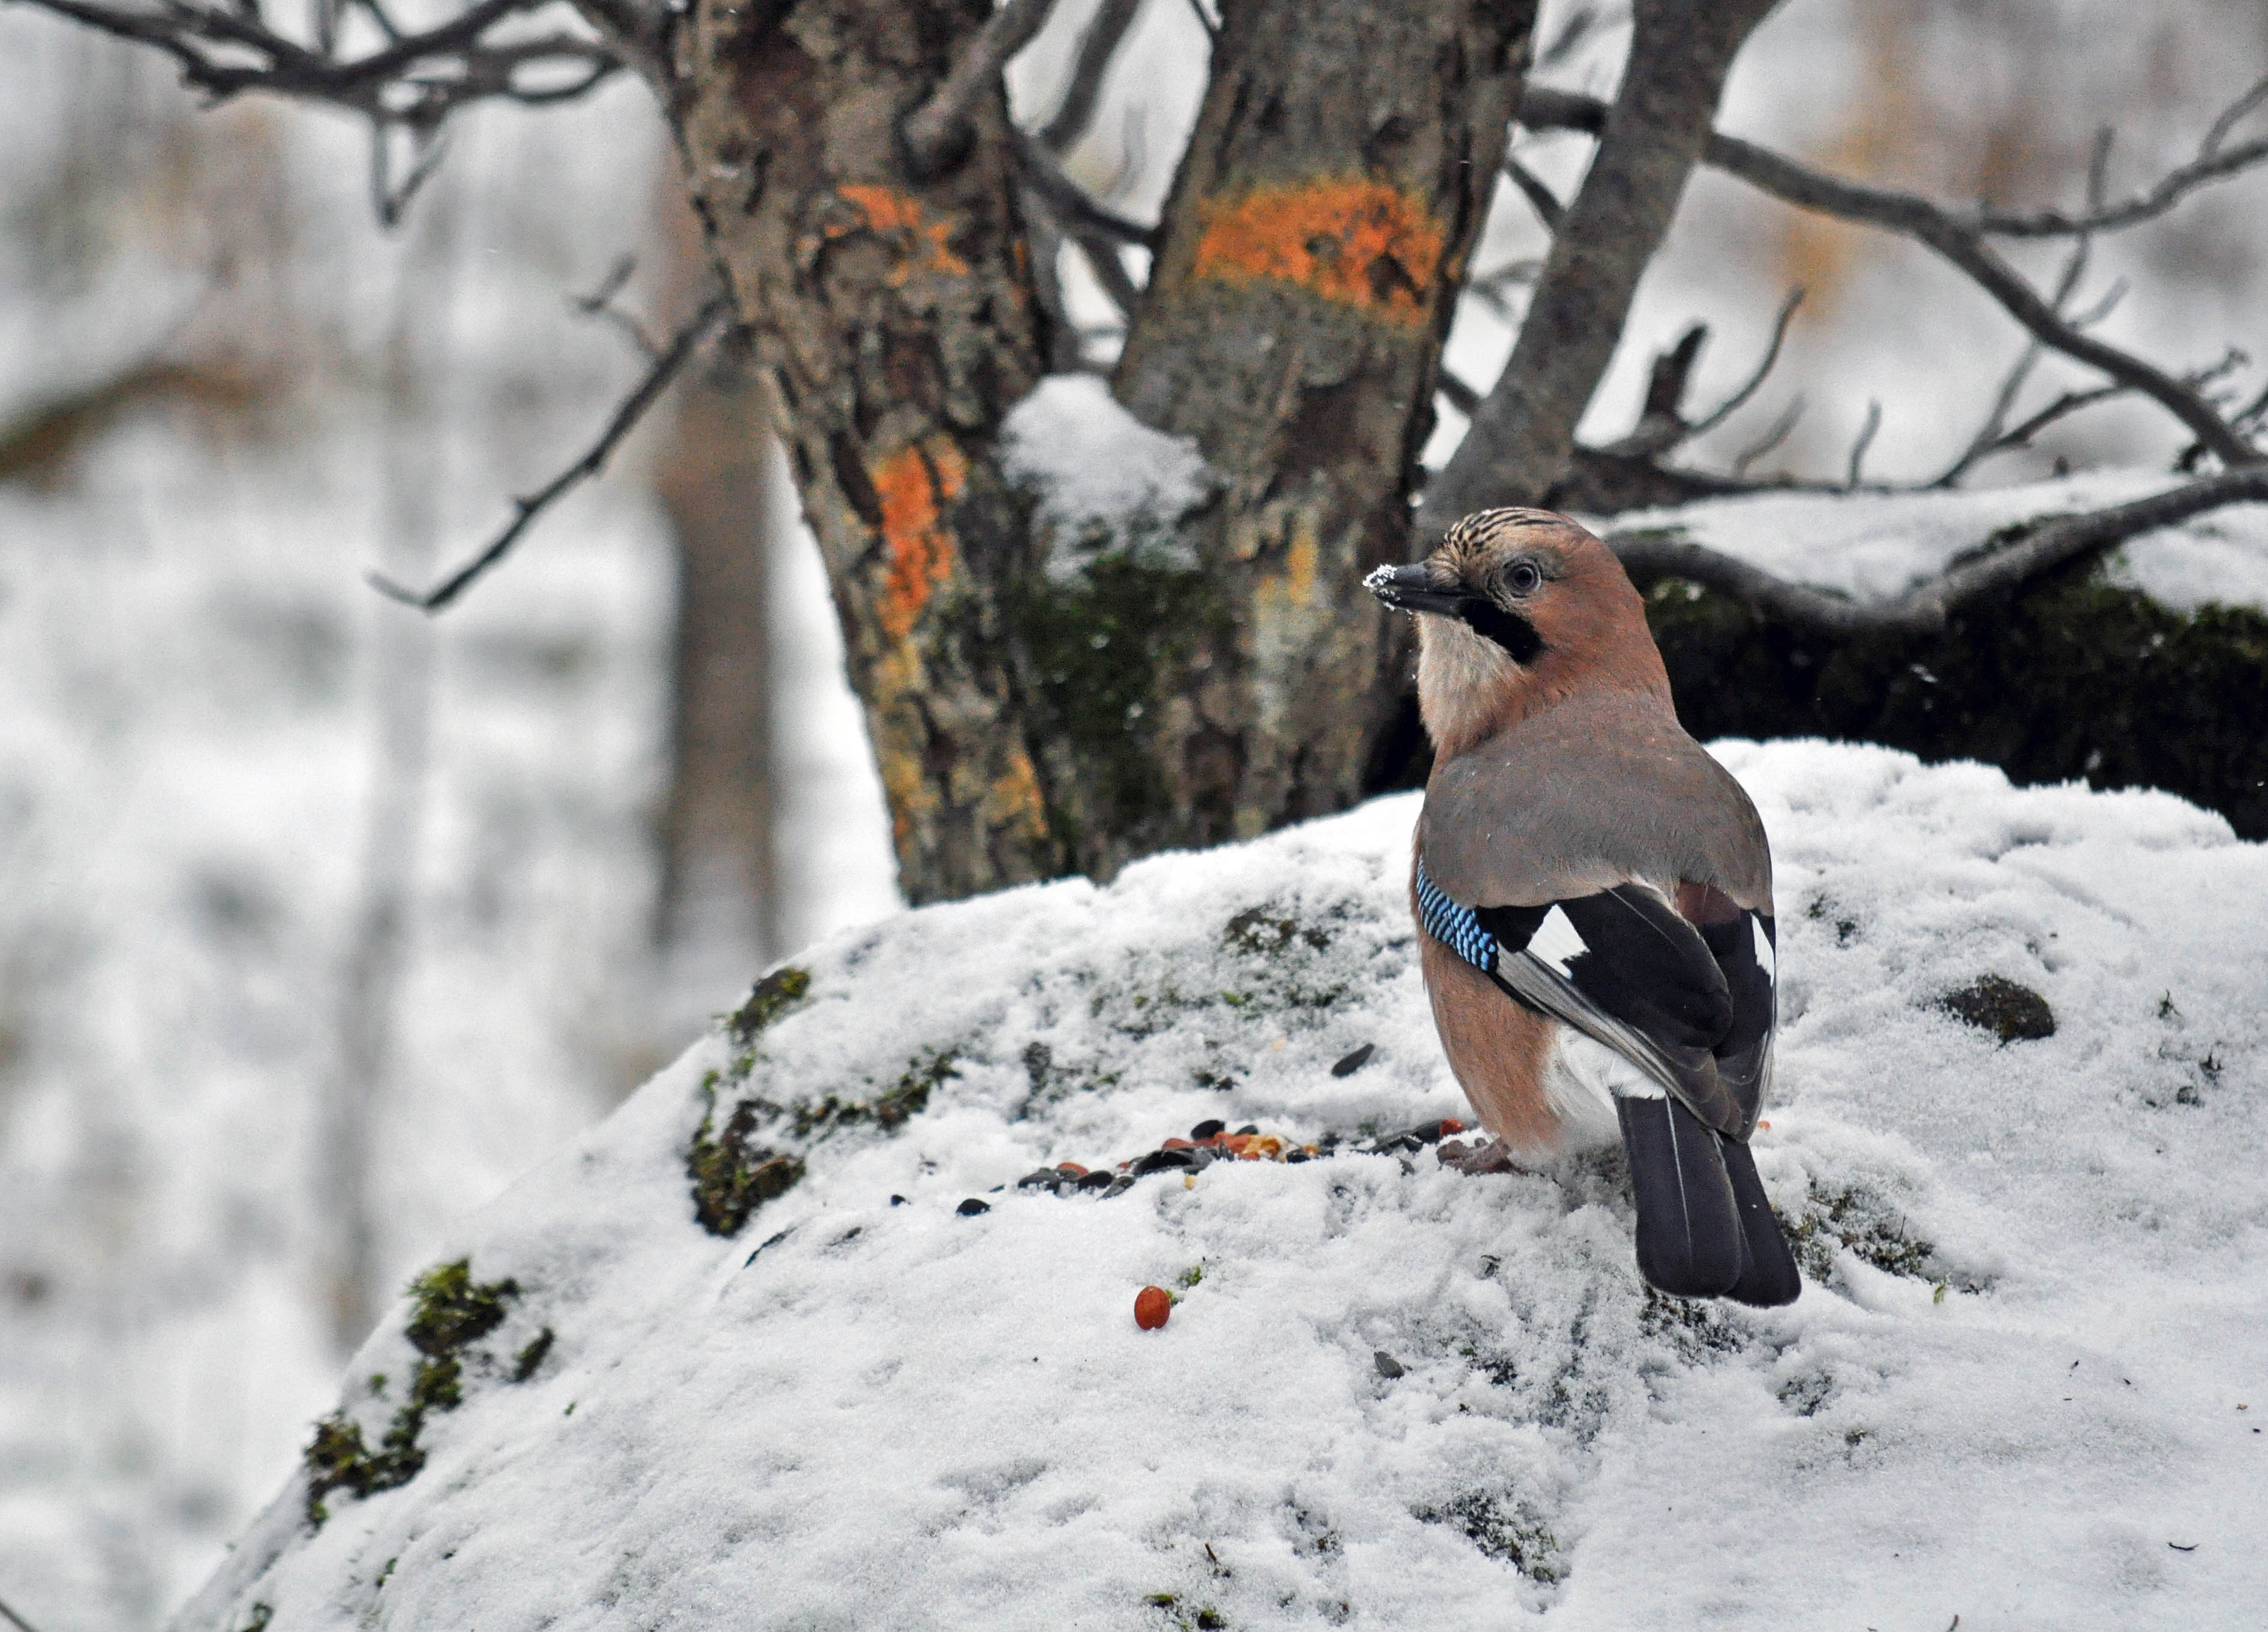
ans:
x=1691 y=1005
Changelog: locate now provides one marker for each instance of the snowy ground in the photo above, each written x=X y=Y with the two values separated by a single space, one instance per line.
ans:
x=2024 y=1383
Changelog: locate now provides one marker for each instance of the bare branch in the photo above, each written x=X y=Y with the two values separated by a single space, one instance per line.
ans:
x=1540 y=199
x=415 y=80
x=1102 y=255
x=1917 y=219
x=16 y=1620
x=1078 y=213
x=2058 y=543
x=666 y=368
x=1958 y=240
x=1462 y=396
x=935 y=135
x=1774 y=435
x=1724 y=410
x=1520 y=441
x=1866 y=441
x=1104 y=31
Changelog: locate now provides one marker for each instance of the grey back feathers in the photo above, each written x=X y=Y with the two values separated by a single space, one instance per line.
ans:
x=1593 y=792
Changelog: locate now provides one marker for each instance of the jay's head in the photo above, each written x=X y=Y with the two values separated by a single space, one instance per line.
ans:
x=1515 y=609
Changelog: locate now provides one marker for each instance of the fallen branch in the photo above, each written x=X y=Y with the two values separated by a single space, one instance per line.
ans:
x=1925 y=608
x=666 y=368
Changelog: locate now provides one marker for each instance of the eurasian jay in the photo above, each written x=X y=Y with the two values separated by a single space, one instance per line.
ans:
x=1593 y=892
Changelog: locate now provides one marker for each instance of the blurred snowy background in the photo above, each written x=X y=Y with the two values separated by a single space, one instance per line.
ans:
x=320 y=921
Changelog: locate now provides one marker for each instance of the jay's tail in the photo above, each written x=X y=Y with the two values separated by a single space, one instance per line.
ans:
x=1704 y=1227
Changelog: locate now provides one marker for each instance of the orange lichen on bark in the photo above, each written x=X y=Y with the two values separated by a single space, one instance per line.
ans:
x=915 y=484
x=1014 y=801
x=1362 y=242
x=918 y=241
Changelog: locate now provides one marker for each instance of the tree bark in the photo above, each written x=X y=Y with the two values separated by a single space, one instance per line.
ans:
x=1310 y=257
x=1314 y=245
x=1522 y=439
x=895 y=323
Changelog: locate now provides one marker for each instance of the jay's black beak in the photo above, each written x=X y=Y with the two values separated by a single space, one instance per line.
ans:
x=1411 y=589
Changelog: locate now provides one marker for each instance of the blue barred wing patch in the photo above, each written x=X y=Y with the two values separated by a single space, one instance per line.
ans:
x=1456 y=927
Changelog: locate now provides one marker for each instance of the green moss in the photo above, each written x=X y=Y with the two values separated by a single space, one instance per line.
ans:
x=451 y=1311
x=2078 y=678
x=731 y=1175
x=1857 y=1220
x=1107 y=656
x=1502 y=1527
x=773 y=996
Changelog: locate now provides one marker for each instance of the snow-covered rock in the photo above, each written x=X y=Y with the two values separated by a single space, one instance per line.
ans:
x=2024 y=1385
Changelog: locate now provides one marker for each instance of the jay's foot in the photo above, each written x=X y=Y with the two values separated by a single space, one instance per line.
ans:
x=1483 y=1156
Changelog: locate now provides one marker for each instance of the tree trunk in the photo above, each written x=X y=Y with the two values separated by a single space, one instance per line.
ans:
x=895 y=323
x=1314 y=243
x=719 y=899
x=1311 y=253
x=1522 y=439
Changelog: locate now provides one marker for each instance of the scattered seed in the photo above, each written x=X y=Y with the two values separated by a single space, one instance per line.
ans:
x=1354 y=1062
x=1387 y=1365
x=1207 y=1130
x=970 y=1207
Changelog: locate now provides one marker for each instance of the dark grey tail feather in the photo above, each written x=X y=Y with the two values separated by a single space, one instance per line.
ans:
x=1689 y=1241
x=1771 y=1277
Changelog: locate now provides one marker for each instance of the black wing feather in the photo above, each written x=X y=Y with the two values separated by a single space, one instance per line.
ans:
x=1693 y=1008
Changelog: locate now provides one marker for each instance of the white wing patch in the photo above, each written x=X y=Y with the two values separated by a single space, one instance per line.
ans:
x=1764 y=958
x=1555 y=944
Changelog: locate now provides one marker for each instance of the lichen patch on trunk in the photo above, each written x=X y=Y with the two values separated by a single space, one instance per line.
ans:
x=914 y=485
x=1358 y=242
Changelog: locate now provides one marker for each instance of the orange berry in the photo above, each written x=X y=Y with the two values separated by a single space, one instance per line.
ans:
x=1451 y=1125
x=1151 y=1306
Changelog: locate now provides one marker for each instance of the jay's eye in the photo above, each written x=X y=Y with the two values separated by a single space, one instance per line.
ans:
x=1523 y=577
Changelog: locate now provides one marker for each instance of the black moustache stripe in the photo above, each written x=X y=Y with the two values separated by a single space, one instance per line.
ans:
x=1508 y=630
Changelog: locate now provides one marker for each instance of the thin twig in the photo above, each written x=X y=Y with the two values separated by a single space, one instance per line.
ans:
x=1925 y=608
x=414 y=80
x=1958 y=240
x=633 y=408
x=599 y=304
x=1540 y=199
x=1111 y=271
x=1724 y=410
x=1773 y=438
x=1103 y=35
x=935 y=135
x=1866 y=441
x=1462 y=396
x=1078 y=213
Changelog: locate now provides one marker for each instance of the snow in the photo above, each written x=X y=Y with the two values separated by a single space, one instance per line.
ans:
x=1104 y=482
x=1872 y=545
x=2014 y=1388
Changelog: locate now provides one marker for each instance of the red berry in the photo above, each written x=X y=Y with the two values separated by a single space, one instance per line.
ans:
x=1451 y=1125
x=1151 y=1306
